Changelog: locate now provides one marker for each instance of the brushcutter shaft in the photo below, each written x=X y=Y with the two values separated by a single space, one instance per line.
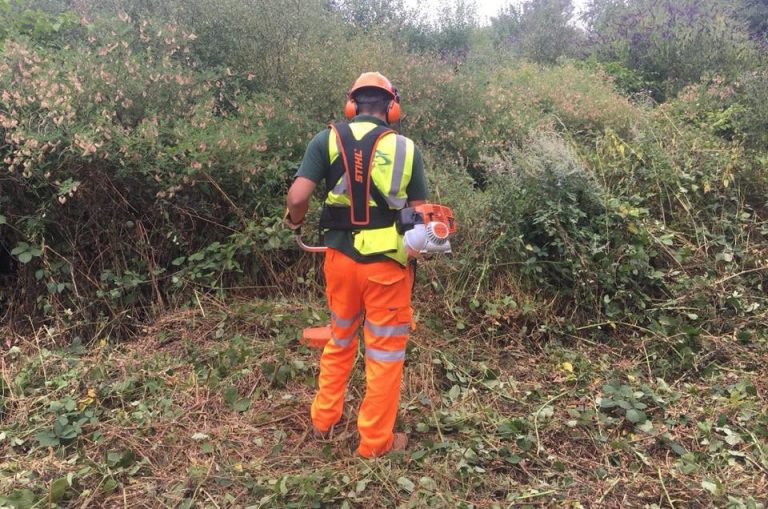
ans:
x=309 y=249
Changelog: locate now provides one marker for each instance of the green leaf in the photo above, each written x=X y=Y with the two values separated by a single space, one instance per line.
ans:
x=242 y=404
x=25 y=257
x=47 y=438
x=715 y=488
x=120 y=458
x=58 y=489
x=3 y=220
x=283 y=375
x=677 y=448
x=547 y=412
x=406 y=484
x=230 y=394
x=607 y=403
x=646 y=427
x=20 y=248
x=636 y=416
x=109 y=485
x=19 y=499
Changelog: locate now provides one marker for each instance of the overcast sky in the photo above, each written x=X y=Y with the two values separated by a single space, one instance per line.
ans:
x=485 y=8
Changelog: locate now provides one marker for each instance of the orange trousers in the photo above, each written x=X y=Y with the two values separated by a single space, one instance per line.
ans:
x=378 y=295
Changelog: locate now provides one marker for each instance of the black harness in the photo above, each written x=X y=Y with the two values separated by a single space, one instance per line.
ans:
x=354 y=164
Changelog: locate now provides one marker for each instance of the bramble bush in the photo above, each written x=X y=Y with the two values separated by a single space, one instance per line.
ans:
x=120 y=159
x=569 y=234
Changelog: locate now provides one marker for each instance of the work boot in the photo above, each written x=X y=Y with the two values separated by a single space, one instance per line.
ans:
x=322 y=435
x=399 y=443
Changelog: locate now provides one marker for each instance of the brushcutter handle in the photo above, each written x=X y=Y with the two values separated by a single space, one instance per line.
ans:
x=304 y=247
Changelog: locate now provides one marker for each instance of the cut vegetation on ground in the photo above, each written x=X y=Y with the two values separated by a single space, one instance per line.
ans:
x=209 y=408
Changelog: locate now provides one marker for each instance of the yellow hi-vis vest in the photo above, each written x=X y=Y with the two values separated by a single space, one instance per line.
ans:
x=391 y=170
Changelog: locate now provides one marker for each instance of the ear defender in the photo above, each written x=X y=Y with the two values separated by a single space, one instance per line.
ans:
x=393 y=112
x=350 y=108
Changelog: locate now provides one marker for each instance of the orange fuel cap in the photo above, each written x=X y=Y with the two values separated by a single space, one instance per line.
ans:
x=316 y=337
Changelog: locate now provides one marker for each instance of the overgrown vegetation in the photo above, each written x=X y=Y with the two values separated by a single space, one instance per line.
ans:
x=601 y=321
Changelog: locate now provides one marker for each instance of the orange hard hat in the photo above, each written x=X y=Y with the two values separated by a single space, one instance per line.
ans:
x=374 y=80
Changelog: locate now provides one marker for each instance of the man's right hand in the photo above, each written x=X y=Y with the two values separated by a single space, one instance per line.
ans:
x=298 y=202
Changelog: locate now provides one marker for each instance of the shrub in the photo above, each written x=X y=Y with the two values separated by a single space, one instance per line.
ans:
x=671 y=43
x=569 y=235
x=540 y=31
x=128 y=172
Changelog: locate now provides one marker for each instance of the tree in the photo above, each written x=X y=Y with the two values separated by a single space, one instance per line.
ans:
x=505 y=26
x=371 y=14
x=755 y=12
x=670 y=43
x=540 y=30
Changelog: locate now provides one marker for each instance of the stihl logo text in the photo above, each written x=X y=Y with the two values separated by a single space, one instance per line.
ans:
x=358 y=165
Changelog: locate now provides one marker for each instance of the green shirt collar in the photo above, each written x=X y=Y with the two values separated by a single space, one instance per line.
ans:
x=370 y=118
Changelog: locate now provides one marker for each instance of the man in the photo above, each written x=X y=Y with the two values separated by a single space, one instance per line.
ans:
x=370 y=172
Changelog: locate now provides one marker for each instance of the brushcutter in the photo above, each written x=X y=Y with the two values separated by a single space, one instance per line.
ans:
x=425 y=229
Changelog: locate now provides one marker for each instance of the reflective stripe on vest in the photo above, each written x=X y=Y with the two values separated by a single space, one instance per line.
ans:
x=390 y=172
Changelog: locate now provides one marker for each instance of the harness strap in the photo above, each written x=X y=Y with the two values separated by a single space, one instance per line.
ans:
x=354 y=165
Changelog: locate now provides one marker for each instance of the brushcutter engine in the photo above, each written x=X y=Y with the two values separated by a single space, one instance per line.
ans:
x=426 y=228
